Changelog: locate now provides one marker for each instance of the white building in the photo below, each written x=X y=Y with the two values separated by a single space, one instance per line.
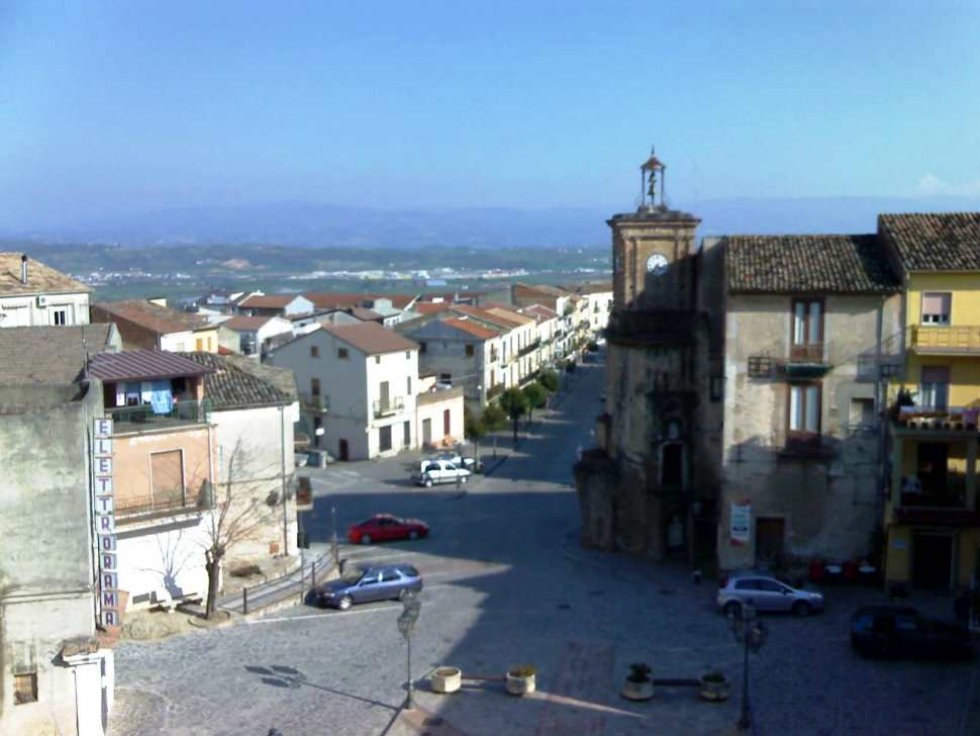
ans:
x=358 y=384
x=35 y=295
x=251 y=335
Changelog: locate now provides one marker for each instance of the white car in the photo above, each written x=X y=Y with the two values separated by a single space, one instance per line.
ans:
x=455 y=458
x=432 y=472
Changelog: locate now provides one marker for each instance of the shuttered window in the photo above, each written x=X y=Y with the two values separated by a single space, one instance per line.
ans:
x=936 y=308
x=167 y=478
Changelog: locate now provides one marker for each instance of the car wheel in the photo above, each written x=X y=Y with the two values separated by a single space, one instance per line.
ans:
x=413 y=535
x=801 y=608
x=428 y=482
x=403 y=594
x=732 y=609
x=366 y=539
x=344 y=603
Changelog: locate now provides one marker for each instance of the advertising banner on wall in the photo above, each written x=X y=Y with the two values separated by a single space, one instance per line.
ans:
x=741 y=523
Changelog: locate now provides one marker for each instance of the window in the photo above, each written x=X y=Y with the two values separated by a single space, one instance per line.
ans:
x=408 y=355
x=446 y=378
x=407 y=434
x=408 y=385
x=469 y=350
x=315 y=386
x=59 y=317
x=862 y=414
x=936 y=308
x=199 y=344
x=804 y=410
x=446 y=422
x=421 y=347
x=25 y=688
x=934 y=387
x=314 y=351
x=807 y=329
x=384 y=439
x=377 y=360
x=342 y=353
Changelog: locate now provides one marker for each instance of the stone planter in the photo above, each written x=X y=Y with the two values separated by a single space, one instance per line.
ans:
x=713 y=688
x=447 y=679
x=521 y=681
x=637 y=690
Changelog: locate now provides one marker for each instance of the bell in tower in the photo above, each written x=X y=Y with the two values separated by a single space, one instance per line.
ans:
x=649 y=172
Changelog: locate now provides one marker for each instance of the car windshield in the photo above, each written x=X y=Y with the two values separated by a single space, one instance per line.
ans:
x=352 y=574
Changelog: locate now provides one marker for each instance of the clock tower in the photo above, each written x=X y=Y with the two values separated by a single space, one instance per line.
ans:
x=650 y=484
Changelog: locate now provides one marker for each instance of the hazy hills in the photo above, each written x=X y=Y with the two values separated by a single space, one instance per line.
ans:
x=320 y=225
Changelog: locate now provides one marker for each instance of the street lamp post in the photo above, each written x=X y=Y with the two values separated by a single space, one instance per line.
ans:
x=406 y=625
x=751 y=633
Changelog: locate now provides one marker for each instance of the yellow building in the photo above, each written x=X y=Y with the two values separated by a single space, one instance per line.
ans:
x=932 y=528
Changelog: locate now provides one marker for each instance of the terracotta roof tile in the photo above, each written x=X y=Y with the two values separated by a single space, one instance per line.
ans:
x=471 y=328
x=485 y=315
x=41 y=279
x=266 y=301
x=240 y=323
x=231 y=385
x=153 y=317
x=371 y=338
x=934 y=242
x=829 y=264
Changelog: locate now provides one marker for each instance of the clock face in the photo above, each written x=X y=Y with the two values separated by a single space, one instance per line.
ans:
x=656 y=264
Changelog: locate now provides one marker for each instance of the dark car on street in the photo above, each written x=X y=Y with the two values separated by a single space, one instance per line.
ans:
x=366 y=584
x=901 y=631
x=383 y=527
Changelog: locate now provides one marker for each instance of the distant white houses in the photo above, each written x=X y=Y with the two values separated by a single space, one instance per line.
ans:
x=359 y=386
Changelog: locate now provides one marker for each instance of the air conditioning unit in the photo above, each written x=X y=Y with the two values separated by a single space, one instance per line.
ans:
x=42 y=301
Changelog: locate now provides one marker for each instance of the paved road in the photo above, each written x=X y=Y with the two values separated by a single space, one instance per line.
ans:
x=507 y=583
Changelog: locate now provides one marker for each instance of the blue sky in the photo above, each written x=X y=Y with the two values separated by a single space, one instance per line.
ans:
x=108 y=108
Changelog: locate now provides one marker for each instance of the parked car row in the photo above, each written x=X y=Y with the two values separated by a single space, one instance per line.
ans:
x=875 y=631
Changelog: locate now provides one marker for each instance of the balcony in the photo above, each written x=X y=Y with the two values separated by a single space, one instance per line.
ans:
x=389 y=406
x=152 y=506
x=944 y=340
x=924 y=420
x=317 y=403
x=138 y=418
x=942 y=504
x=806 y=360
x=804 y=446
x=529 y=349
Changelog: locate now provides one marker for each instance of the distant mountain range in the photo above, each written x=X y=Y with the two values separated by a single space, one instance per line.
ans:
x=320 y=225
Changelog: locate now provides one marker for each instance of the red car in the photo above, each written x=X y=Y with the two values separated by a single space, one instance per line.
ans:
x=382 y=527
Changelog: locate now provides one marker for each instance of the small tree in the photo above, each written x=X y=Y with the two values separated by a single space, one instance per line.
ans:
x=537 y=397
x=514 y=403
x=475 y=430
x=231 y=522
x=549 y=379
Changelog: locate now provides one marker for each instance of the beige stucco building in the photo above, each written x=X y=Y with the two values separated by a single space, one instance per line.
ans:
x=807 y=319
x=35 y=295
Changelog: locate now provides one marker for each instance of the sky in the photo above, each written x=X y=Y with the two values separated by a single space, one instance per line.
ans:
x=121 y=107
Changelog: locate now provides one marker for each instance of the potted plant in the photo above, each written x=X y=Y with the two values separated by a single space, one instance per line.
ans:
x=714 y=686
x=447 y=679
x=520 y=679
x=639 y=683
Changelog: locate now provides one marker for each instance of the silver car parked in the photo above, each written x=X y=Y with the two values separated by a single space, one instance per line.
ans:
x=765 y=593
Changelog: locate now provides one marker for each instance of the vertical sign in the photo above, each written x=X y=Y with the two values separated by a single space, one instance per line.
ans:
x=741 y=523
x=103 y=513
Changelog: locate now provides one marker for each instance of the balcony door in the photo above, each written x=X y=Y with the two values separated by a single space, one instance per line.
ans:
x=808 y=329
x=385 y=395
x=932 y=468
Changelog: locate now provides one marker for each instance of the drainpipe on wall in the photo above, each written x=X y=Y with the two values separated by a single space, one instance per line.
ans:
x=880 y=413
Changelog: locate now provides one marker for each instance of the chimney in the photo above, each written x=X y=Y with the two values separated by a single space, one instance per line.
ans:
x=23 y=269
